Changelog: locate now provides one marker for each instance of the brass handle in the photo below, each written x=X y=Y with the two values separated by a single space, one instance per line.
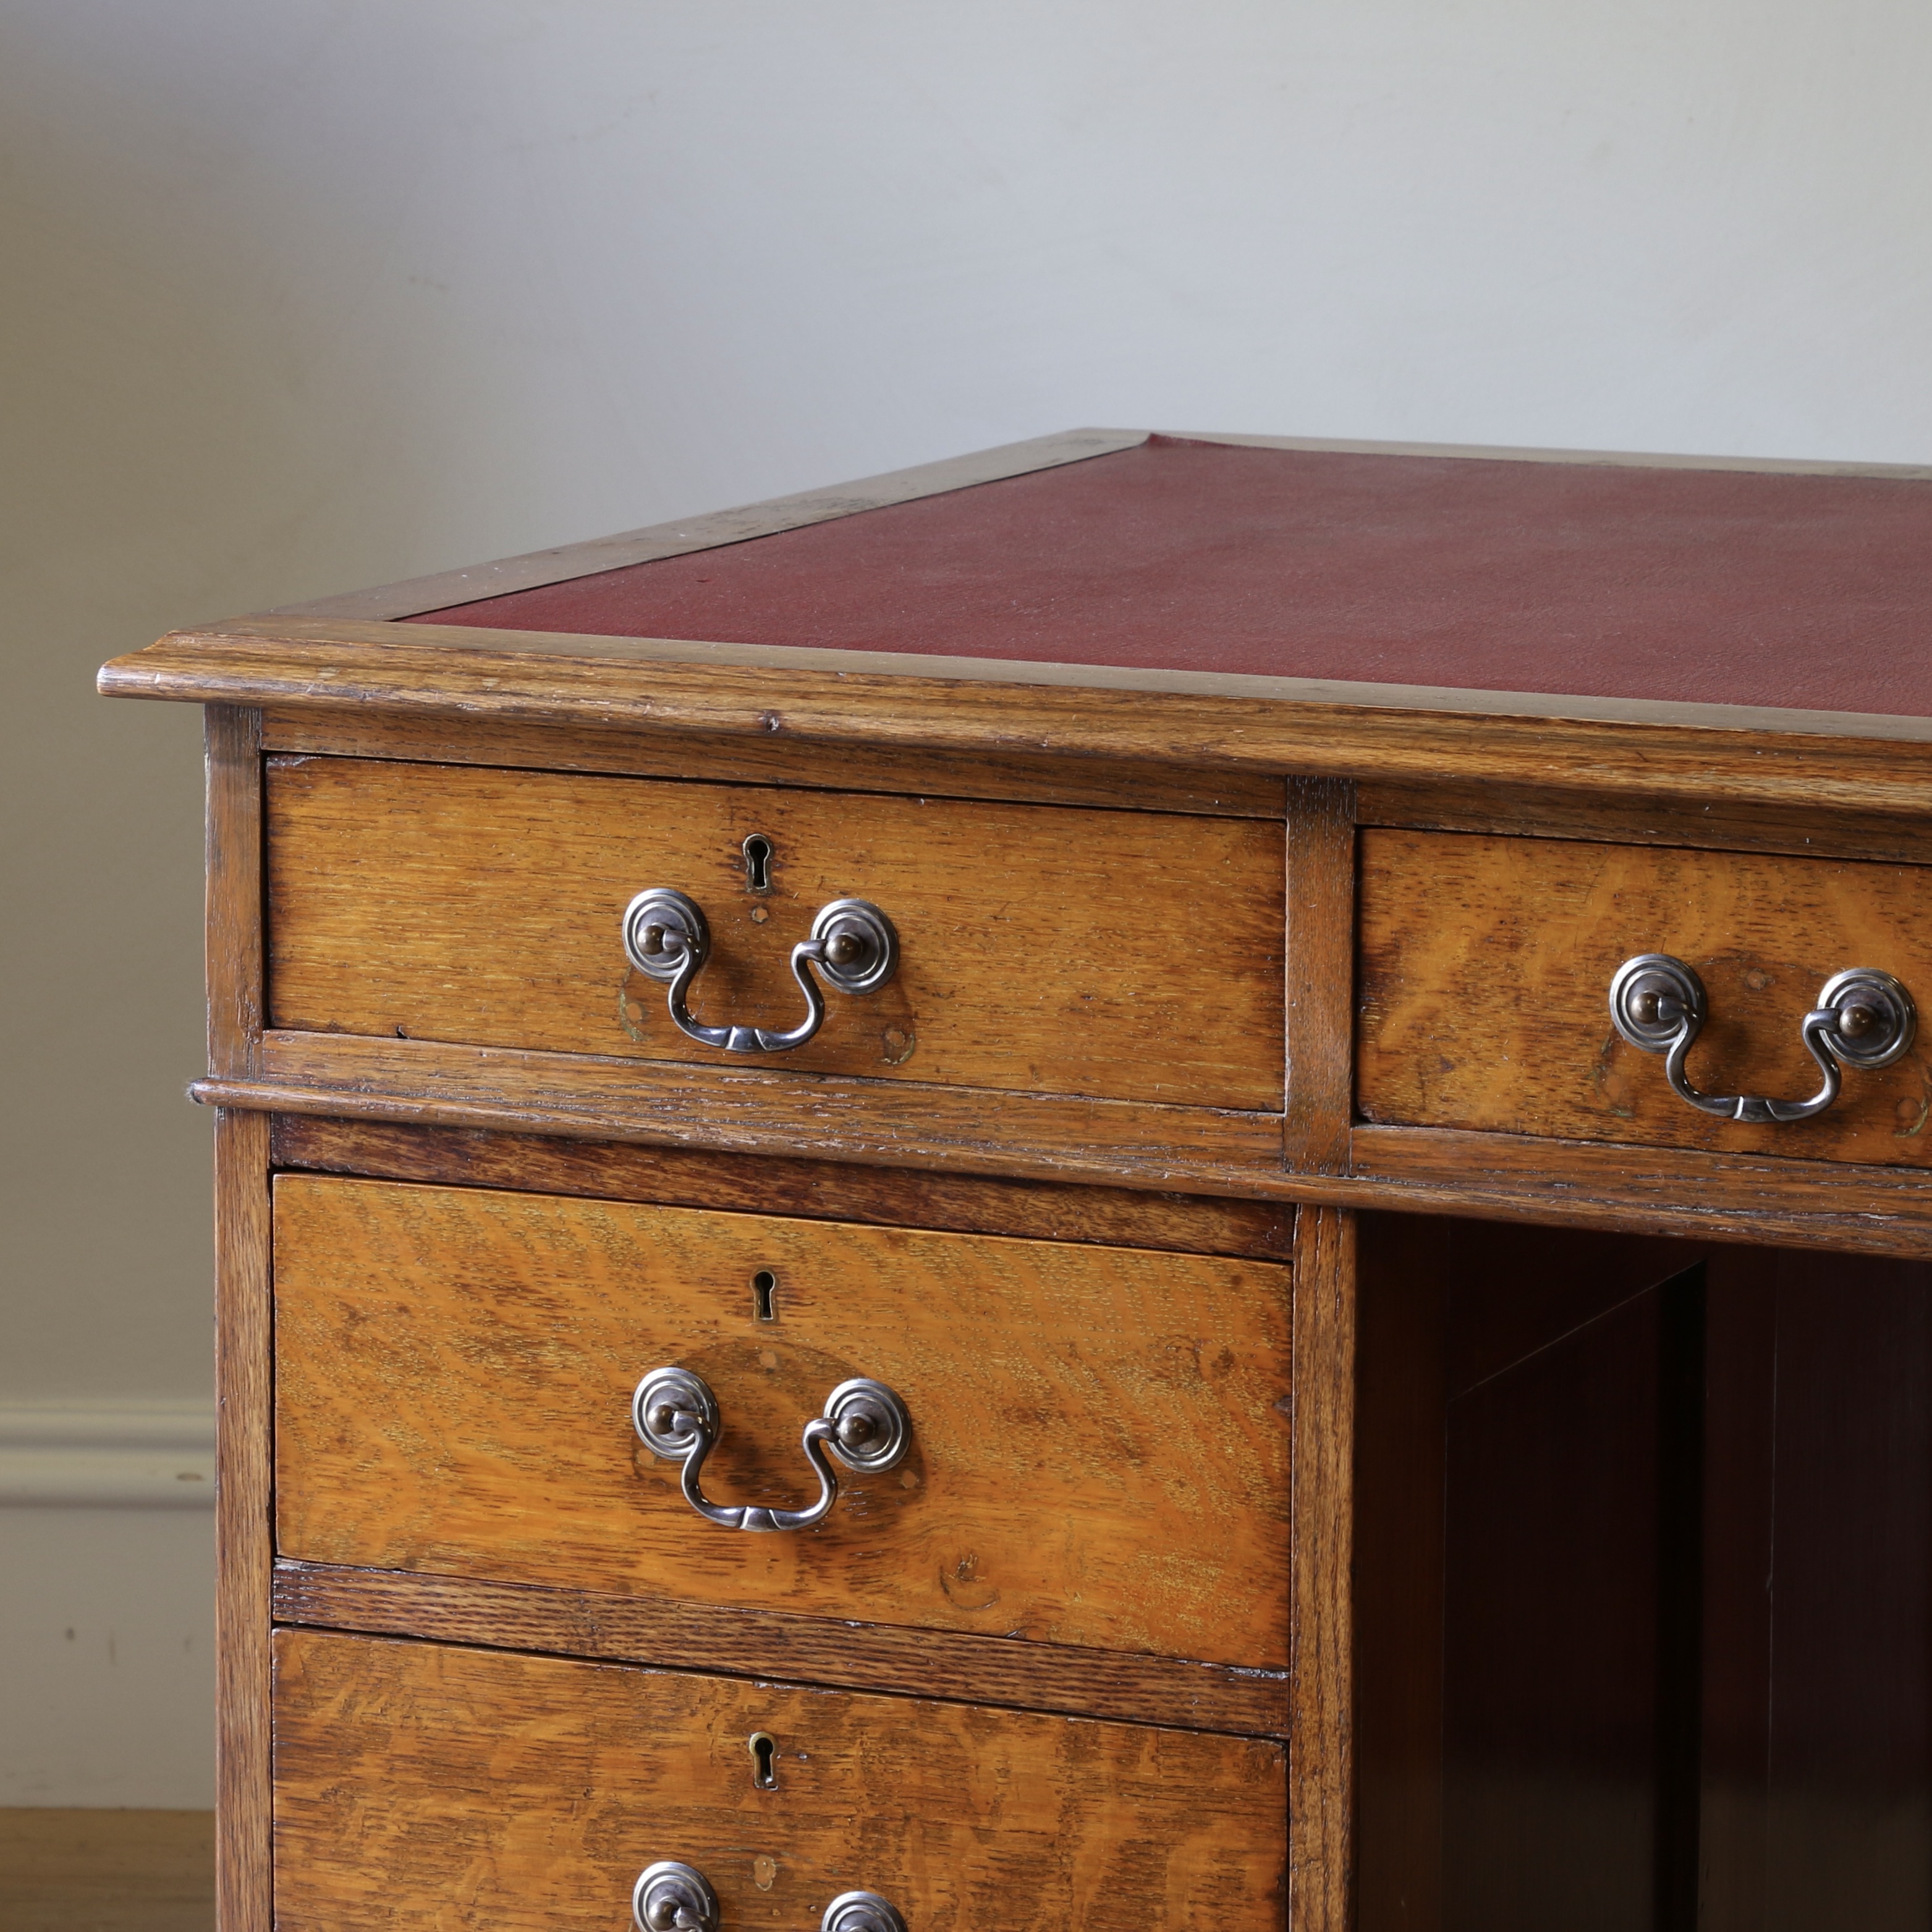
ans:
x=1863 y=1018
x=865 y=1425
x=853 y=944
x=669 y=1897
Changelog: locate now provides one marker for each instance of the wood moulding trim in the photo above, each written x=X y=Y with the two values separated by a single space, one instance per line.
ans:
x=821 y=1116
x=1795 y=1201
x=1803 y=832
x=715 y=758
x=1001 y=1671
x=718 y=527
x=1818 y=1204
x=806 y=1189
x=1308 y=726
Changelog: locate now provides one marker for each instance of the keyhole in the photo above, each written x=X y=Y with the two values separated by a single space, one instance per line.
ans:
x=764 y=1286
x=763 y=1748
x=757 y=863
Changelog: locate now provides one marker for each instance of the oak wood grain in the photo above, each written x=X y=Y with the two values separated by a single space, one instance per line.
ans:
x=1791 y=1202
x=1100 y=1454
x=232 y=738
x=1043 y=949
x=814 y=1189
x=1827 y=761
x=244 y=1531
x=1507 y=1177
x=1320 y=952
x=1321 y=1781
x=1037 y=779
x=419 y=1785
x=1486 y=963
x=242 y=1367
x=778 y=1643
x=1714 y=825
x=903 y=1123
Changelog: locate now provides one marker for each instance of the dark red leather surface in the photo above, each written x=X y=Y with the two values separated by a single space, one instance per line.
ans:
x=1700 y=586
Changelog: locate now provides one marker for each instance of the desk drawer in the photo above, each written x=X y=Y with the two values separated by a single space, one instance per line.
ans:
x=1123 y=954
x=1098 y=1444
x=420 y=1786
x=1486 y=968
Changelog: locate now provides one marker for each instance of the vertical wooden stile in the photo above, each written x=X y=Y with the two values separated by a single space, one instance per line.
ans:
x=1321 y=1803
x=1320 y=975
x=243 y=1528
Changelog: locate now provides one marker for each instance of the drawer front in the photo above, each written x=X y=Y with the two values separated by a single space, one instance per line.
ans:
x=1100 y=1439
x=1124 y=954
x=1486 y=972
x=417 y=1785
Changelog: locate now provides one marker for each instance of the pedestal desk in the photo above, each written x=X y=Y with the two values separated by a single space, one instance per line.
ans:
x=1188 y=1189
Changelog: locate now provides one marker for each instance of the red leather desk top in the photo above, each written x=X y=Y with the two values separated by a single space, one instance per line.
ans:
x=1713 y=586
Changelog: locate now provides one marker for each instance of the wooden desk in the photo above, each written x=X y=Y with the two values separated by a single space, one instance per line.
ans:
x=1094 y=977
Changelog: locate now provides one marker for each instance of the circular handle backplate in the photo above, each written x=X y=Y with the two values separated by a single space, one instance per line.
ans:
x=669 y=1897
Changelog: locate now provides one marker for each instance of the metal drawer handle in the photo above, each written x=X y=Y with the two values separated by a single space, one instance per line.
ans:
x=865 y=1425
x=861 y=1912
x=669 y=1897
x=1863 y=1018
x=853 y=944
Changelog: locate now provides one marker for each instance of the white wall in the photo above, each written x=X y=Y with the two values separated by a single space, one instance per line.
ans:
x=304 y=296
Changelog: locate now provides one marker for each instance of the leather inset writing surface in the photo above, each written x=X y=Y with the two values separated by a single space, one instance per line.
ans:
x=1697 y=586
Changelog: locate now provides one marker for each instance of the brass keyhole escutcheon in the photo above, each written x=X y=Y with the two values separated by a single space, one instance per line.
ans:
x=764 y=1750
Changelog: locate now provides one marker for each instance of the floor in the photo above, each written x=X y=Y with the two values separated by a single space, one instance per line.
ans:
x=106 y=1871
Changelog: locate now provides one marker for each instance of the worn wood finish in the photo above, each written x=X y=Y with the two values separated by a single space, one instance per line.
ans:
x=1320 y=974
x=1099 y=1457
x=414 y=1781
x=243 y=1532
x=777 y=1643
x=906 y=1123
x=1642 y=1190
x=233 y=741
x=1321 y=1781
x=1106 y=782
x=1899 y=838
x=1486 y=963
x=814 y=1189
x=439 y=902
x=1835 y=761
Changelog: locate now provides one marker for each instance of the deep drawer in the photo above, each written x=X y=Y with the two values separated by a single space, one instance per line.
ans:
x=1123 y=954
x=1486 y=965
x=1098 y=1453
x=417 y=1785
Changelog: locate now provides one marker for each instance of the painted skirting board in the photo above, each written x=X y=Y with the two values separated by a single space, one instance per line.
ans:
x=129 y=1455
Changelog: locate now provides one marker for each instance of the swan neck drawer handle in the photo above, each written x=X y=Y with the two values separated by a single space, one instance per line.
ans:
x=861 y=1912
x=669 y=1897
x=852 y=944
x=865 y=1425
x=1864 y=1018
